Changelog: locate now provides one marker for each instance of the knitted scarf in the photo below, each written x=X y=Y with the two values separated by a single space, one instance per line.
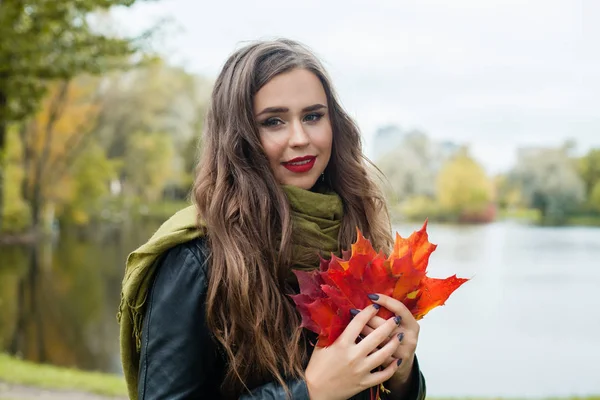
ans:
x=316 y=218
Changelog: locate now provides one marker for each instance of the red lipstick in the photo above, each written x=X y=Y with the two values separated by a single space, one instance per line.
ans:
x=300 y=164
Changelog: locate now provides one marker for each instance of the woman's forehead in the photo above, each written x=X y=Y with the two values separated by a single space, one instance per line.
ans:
x=295 y=89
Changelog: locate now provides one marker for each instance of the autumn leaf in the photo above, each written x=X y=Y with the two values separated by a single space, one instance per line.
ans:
x=328 y=294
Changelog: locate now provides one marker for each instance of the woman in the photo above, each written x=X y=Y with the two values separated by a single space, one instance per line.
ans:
x=205 y=311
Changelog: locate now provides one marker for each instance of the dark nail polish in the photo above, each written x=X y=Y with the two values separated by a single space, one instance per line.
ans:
x=399 y=361
x=400 y=336
x=397 y=319
x=354 y=311
x=373 y=296
x=377 y=306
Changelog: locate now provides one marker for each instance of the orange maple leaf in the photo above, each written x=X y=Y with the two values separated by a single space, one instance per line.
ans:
x=327 y=295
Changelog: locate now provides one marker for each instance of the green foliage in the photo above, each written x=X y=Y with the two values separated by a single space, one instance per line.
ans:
x=594 y=198
x=16 y=214
x=42 y=40
x=419 y=208
x=525 y=215
x=157 y=98
x=463 y=186
x=508 y=195
x=148 y=164
x=45 y=40
x=93 y=172
x=550 y=183
x=589 y=168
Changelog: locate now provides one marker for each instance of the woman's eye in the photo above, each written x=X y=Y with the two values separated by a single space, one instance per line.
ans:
x=313 y=117
x=271 y=122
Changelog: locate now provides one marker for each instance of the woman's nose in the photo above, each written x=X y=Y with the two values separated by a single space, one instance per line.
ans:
x=298 y=135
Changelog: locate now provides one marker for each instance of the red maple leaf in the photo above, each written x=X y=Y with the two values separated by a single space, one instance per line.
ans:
x=327 y=295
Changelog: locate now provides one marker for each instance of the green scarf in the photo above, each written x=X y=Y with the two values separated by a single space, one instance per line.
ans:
x=316 y=218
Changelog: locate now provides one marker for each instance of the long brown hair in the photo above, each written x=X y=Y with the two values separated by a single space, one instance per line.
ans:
x=247 y=216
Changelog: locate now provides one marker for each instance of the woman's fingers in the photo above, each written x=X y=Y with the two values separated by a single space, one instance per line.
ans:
x=373 y=324
x=382 y=356
x=398 y=309
x=377 y=336
x=377 y=377
x=367 y=331
x=357 y=323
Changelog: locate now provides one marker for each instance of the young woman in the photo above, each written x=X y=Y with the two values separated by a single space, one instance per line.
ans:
x=282 y=179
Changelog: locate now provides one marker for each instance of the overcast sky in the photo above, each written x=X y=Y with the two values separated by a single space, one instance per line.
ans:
x=497 y=74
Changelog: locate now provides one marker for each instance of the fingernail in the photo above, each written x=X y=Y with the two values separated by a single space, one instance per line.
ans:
x=397 y=319
x=399 y=361
x=400 y=336
x=354 y=311
x=373 y=296
x=377 y=306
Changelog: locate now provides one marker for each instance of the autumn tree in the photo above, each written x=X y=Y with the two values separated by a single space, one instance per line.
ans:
x=463 y=188
x=56 y=138
x=158 y=100
x=47 y=40
x=589 y=169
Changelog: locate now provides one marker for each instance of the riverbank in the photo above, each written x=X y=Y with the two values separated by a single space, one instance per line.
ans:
x=10 y=391
x=27 y=374
x=23 y=380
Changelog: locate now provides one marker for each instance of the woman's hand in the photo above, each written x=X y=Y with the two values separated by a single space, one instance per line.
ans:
x=343 y=369
x=405 y=337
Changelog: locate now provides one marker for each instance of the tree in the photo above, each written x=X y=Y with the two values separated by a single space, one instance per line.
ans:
x=66 y=146
x=589 y=169
x=17 y=212
x=45 y=40
x=55 y=138
x=549 y=182
x=88 y=185
x=508 y=195
x=594 y=198
x=148 y=164
x=463 y=188
x=157 y=98
x=412 y=166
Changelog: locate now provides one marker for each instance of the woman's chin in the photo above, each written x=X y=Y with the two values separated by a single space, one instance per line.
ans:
x=302 y=182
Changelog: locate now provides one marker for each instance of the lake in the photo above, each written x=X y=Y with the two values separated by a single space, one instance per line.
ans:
x=526 y=325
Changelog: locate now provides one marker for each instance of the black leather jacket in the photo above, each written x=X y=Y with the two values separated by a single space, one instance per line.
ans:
x=179 y=359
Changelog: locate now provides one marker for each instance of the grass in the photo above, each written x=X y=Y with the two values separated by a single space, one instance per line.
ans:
x=27 y=373
x=21 y=372
x=584 y=220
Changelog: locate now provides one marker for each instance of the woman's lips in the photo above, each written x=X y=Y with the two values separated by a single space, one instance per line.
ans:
x=300 y=164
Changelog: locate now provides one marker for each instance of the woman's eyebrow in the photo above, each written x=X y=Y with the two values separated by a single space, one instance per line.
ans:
x=271 y=110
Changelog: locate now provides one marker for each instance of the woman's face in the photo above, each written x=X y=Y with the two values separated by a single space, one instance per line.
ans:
x=294 y=126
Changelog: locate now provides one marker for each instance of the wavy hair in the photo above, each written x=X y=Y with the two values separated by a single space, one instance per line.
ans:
x=248 y=221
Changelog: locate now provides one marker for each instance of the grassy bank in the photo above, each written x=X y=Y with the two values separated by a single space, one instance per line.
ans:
x=30 y=374
x=27 y=373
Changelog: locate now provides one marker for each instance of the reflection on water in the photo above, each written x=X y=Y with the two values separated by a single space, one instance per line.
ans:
x=526 y=325
x=58 y=301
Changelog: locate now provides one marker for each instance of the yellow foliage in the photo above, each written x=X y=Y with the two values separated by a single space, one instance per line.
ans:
x=594 y=199
x=16 y=216
x=463 y=186
x=420 y=207
x=66 y=116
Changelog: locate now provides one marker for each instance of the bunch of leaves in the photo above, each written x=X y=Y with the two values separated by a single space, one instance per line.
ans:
x=340 y=284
